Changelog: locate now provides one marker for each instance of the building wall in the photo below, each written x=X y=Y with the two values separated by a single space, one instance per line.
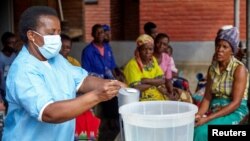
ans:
x=72 y=12
x=96 y=13
x=122 y=16
x=191 y=20
x=72 y=18
x=117 y=16
x=131 y=19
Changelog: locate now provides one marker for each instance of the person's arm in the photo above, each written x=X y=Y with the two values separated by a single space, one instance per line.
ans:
x=238 y=88
x=91 y=83
x=153 y=81
x=99 y=90
x=206 y=99
x=158 y=76
x=173 y=67
x=86 y=59
x=169 y=86
x=142 y=87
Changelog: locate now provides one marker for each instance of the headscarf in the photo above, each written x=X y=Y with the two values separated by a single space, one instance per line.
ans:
x=224 y=27
x=230 y=35
x=140 y=41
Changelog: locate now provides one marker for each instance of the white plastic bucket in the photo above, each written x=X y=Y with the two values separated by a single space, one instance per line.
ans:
x=158 y=121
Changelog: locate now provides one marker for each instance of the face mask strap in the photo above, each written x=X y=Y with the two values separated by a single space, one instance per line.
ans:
x=35 y=43
x=34 y=40
x=37 y=33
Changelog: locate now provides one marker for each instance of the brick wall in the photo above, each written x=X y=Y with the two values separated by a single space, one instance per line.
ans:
x=125 y=19
x=96 y=13
x=117 y=20
x=122 y=16
x=73 y=15
x=72 y=12
x=191 y=20
x=131 y=19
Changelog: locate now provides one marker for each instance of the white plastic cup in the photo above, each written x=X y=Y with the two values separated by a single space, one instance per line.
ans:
x=158 y=121
x=128 y=95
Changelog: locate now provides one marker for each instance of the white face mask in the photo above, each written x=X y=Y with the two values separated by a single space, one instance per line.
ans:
x=51 y=47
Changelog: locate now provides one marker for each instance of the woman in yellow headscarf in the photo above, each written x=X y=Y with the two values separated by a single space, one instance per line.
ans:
x=143 y=72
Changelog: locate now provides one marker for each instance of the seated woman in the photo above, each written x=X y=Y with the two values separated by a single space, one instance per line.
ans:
x=143 y=72
x=165 y=62
x=163 y=59
x=226 y=88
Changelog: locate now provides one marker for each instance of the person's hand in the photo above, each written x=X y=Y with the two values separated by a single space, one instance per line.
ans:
x=199 y=120
x=109 y=90
x=162 y=89
x=197 y=116
x=175 y=95
x=122 y=85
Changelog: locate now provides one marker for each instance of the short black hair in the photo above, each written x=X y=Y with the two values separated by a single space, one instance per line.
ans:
x=94 y=29
x=6 y=36
x=65 y=37
x=29 y=19
x=148 y=27
x=160 y=36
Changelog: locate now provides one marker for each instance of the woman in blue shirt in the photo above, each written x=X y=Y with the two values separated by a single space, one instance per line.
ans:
x=41 y=84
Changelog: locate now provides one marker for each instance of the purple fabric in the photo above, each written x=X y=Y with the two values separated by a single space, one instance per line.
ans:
x=231 y=36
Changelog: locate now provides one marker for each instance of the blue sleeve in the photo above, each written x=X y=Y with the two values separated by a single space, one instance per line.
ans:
x=26 y=87
x=86 y=59
x=78 y=74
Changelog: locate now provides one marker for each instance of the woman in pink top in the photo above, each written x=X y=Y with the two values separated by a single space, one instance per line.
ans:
x=165 y=62
x=163 y=59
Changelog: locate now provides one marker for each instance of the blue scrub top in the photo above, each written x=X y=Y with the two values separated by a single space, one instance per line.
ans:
x=94 y=62
x=31 y=84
